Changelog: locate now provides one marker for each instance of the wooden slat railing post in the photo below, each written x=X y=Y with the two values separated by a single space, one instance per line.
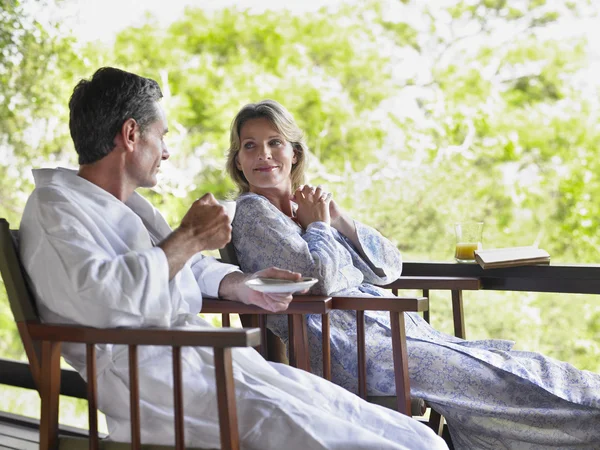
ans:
x=226 y=399
x=225 y=320
x=134 y=398
x=50 y=390
x=400 y=356
x=92 y=396
x=426 y=313
x=458 y=313
x=178 y=400
x=362 y=360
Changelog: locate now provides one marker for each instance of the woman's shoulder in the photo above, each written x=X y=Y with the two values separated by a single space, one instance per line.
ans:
x=250 y=198
x=252 y=205
x=251 y=202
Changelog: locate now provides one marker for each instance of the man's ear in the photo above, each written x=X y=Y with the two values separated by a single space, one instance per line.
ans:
x=129 y=134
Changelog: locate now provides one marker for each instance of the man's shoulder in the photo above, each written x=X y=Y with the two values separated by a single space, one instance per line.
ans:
x=52 y=184
x=42 y=200
x=50 y=193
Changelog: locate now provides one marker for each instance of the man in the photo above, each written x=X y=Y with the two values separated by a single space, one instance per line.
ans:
x=100 y=255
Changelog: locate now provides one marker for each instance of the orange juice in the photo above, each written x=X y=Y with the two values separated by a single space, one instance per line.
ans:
x=464 y=250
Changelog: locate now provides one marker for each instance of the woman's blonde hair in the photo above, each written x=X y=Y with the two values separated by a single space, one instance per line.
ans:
x=285 y=125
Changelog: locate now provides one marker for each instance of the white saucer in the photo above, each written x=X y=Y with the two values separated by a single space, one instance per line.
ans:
x=279 y=286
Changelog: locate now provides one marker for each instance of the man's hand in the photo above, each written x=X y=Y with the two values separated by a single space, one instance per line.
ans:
x=204 y=227
x=233 y=288
x=207 y=221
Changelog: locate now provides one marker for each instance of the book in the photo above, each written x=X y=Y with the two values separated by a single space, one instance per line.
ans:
x=495 y=258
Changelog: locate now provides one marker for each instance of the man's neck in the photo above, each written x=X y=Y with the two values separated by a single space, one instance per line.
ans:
x=109 y=175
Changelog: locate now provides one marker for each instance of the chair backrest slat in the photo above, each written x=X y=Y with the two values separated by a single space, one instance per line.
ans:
x=92 y=395
x=19 y=296
x=21 y=300
x=228 y=254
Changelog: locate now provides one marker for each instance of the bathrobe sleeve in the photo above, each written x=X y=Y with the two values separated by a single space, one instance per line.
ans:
x=209 y=273
x=264 y=237
x=378 y=259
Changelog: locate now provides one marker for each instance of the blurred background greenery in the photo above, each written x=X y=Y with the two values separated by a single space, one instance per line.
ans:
x=418 y=114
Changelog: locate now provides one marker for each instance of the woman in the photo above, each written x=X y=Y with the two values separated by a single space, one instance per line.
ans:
x=491 y=396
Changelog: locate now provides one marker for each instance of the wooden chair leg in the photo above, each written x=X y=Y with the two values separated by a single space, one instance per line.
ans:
x=458 y=313
x=264 y=342
x=50 y=390
x=362 y=358
x=300 y=342
x=230 y=439
x=325 y=335
x=400 y=355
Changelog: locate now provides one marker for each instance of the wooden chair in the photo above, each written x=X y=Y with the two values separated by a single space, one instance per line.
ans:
x=42 y=344
x=396 y=306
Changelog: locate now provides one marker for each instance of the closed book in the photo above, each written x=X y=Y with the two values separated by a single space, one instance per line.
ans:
x=495 y=258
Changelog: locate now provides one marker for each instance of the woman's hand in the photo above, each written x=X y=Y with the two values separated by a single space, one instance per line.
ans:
x=313 y=205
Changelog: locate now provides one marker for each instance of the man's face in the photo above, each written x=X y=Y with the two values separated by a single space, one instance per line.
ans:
x=150 y=151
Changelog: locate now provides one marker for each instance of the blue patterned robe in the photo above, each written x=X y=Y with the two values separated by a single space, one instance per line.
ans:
x=491 y=396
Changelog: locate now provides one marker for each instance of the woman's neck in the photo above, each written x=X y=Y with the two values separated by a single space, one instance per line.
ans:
x=278 y=198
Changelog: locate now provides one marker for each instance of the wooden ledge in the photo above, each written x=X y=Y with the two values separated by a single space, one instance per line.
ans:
x=301 y=304
x=442 y=283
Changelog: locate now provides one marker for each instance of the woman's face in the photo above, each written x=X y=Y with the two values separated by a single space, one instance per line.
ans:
x=265 y=157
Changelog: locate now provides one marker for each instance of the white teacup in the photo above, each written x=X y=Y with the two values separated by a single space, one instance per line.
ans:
x=229 y=206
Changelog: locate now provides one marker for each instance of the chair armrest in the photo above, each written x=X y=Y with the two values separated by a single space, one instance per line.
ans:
x=301 y=304
x=442 y=283
x=190 y=336
x=394 y=304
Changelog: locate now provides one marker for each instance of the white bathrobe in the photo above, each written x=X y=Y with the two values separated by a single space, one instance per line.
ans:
x=92 y=261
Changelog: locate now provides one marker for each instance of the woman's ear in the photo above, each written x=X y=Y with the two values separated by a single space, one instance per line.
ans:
x=295 y=157
x=237 y=163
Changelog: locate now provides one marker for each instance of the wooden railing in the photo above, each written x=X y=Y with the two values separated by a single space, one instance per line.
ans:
x=560 y=278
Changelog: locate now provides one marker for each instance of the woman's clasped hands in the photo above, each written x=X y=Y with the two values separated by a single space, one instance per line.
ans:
x=314 y=205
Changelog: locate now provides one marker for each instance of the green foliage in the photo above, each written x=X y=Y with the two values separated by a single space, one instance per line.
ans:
x=417 y=114
x=36 y=75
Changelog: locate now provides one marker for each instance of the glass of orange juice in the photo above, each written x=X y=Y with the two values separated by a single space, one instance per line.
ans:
x=468 y=239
